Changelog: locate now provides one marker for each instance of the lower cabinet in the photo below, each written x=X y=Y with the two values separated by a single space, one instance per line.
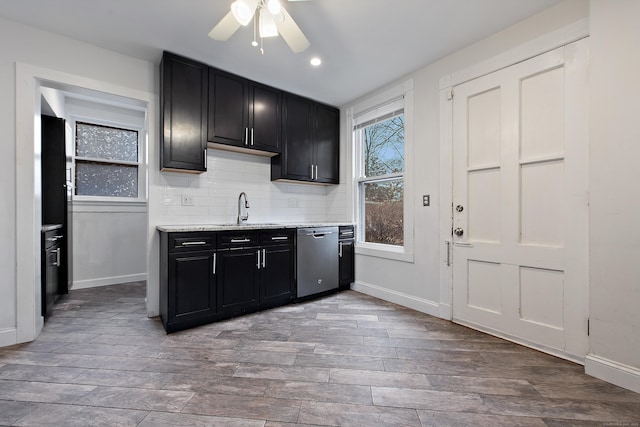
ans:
x=237 y=280
x=193 y=294
x=347 y=255
x=277 y=275
x=206 y=277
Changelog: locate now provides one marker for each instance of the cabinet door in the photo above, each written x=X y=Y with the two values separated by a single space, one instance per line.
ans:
x=327 y=144
x=297 y=147
x=264 y=118
x=276 y=275
x=347 y=262
x=184 y=114
x=228 y=109
x=237 y=279
x=191 y=285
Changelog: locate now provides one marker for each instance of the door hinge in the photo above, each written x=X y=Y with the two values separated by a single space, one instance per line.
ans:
x=450 y=95
x=588 y=326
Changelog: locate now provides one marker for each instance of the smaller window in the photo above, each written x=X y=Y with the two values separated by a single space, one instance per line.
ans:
x=106 y=161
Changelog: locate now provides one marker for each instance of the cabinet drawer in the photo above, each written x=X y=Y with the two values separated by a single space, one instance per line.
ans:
x=346 y=232
x=199 y=241
x=238 y=239
x=281 y=236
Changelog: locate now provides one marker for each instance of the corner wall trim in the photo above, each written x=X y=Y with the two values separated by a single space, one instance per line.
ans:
x=106 y=281
x=616 y=373
x=415 y=303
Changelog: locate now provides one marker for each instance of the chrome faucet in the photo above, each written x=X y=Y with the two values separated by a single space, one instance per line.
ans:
x=243 y=218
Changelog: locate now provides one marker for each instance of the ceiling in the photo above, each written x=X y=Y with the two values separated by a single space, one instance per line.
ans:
x=364 y=44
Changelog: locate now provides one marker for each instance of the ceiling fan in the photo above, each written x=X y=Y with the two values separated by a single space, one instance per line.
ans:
x=269 y=20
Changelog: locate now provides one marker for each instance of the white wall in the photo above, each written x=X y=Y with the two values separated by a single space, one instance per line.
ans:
x=614 y=203
x=109 y=244
x=86 y=64
x=417 y=284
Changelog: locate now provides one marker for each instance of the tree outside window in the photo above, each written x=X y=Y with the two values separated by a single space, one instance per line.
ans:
x=381 y=184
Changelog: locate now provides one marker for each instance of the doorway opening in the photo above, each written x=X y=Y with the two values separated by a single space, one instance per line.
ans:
x=74 y=97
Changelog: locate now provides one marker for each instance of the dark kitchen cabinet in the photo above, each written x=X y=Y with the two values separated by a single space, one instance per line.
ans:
x=238 y=280
x=346 y=252
x=210 y=276
x=256 y=270
x=243 y=114
x=187 y=280
x=183 y=118
x=310 y=142
x=56 y=196
x=277 y=273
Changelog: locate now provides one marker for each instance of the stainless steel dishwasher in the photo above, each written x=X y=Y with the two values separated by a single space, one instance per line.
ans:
x=317 y=260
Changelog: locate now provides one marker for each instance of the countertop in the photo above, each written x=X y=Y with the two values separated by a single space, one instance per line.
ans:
x=249 y=226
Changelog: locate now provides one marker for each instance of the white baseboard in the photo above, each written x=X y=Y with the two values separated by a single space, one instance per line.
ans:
x=410 y=301
x=613 y=372
x=8 y=336
x=106 y=281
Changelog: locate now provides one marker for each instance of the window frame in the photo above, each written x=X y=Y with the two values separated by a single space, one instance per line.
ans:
x=405 y=252
x=140 y=163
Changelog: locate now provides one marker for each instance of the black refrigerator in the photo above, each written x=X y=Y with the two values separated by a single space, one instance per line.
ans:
x=56 y=207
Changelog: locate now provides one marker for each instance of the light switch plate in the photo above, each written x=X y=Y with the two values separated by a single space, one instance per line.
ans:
x=426 y=200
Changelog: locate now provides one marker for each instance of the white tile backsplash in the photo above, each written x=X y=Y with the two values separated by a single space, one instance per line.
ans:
x=215 y=194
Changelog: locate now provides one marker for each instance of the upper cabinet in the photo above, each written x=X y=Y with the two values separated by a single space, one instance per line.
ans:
x=243 y=114
x=311 y=137
x=183 y=121
x=202 y=106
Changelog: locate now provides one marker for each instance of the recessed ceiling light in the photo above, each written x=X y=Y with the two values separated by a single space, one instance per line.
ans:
x=315 y=61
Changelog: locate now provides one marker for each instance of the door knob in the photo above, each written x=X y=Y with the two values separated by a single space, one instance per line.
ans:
x=458 y=231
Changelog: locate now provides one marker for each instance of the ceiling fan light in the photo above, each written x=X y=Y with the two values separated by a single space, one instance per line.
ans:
x=267 y=24
x=274 y=6
x=243 y=10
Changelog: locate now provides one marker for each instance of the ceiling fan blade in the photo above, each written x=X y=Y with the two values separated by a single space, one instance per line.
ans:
x=291 y=33
x=225 y=28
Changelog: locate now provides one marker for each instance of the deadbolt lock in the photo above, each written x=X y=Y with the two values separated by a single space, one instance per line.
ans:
x=459 y=208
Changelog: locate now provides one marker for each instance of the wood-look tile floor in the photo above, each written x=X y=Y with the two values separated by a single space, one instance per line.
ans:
x=343 y=360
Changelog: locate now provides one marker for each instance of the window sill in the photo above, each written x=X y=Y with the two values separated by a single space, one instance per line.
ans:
x=108 y=205
x=396 y=253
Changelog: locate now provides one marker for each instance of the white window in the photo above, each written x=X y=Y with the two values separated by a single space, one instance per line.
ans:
x=380 y=138
x=107 y=161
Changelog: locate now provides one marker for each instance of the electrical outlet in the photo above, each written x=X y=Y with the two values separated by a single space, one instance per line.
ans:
x=187 y=200
x=426 y=200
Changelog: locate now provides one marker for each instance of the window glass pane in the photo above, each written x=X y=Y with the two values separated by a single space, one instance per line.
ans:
x=104 y=179
x=383 y=147
x=104 y=142
x=384 y=212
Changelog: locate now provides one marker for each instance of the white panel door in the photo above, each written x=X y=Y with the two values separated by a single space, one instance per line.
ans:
x=520 y=202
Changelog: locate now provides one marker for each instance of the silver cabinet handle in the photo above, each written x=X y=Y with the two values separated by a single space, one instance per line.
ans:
x=264 y=258
x=215 y=259
x=280 y=238
x=205 y=158
x=251 y=136
x=258 y=265
x=316 y=172
x=311 y=172
x=57 y=263
x=193 y=243
x=340 y=249
x=240 y=240
x=246 y=136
